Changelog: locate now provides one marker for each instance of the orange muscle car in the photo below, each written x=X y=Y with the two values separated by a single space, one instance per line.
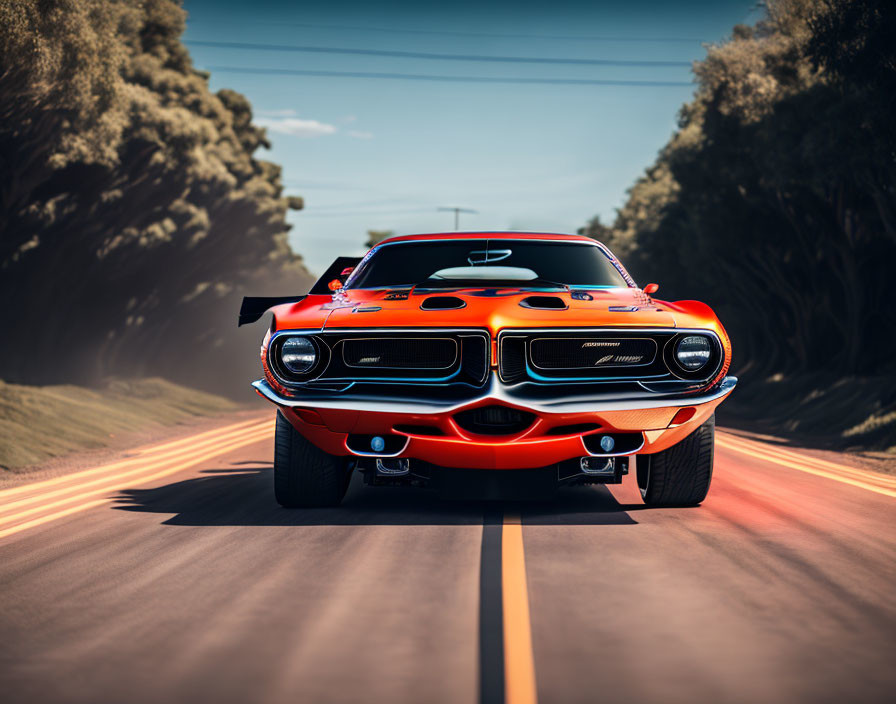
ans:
x=490 y=364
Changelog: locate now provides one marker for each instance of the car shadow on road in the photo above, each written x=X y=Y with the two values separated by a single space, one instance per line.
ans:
x=242 y=494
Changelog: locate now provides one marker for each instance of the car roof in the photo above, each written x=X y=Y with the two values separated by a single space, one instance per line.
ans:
x=478 y=234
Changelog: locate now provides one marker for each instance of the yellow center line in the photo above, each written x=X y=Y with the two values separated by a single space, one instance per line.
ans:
x=164 y=449
x=148 y=462
x=519 y=666
x=221 y=449
x=807 y=465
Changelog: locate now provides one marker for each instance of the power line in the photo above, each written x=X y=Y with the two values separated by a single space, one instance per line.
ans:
x=449 y=79
x=495 y=35
x=365 y=204
x=439 y=57
x=331 y=214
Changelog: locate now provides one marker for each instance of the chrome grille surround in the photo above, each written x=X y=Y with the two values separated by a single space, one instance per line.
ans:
x=389 y=355
x=590 y=352
x=522 y=356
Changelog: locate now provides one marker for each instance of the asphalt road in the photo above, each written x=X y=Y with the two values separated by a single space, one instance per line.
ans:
x=172 y=576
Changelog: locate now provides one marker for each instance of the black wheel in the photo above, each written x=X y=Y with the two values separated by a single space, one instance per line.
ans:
x=680 y=475
x=305 y=475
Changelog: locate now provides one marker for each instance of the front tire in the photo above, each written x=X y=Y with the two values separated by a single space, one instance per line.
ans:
x=681 y=474
x=305 y=475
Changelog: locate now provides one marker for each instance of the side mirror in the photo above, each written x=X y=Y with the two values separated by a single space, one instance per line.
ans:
x=651 y=288
x=335 y=285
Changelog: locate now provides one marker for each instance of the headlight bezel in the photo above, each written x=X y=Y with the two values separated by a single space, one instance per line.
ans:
x=308 y=351
x=693 y=340
x=282 y=372
x=705 y=371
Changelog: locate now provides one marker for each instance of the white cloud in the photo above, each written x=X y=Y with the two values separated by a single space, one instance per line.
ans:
x=357 y=134
x=298 y=127
x=348 y=119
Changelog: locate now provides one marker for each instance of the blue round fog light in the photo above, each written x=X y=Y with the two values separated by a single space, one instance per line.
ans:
x=607 y=443
x=377 y=443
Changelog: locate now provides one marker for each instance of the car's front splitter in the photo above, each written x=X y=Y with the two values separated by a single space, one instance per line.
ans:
x=329 y=422
x=493 y=392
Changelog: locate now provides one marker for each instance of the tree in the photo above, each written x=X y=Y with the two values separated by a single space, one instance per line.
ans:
x=134 y=212
x=773 y=199
x=374 y=237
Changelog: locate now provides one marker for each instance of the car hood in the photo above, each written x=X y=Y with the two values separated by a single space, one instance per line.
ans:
x=496 y=309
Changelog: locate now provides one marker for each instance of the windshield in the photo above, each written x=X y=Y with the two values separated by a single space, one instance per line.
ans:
x=517 y=263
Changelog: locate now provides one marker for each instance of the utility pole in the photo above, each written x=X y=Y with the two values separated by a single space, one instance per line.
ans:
x=457 y=212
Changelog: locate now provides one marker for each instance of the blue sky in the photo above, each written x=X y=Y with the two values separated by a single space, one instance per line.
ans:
x=376 y=153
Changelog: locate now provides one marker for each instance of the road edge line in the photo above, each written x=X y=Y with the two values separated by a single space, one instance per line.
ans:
x=792 y=464
x=16 y=528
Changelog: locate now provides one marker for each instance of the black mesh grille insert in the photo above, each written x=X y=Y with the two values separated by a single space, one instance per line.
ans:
x=475 y=357
x=400 y=353
x=494 y=420
x=512 y=359
x=590 y=353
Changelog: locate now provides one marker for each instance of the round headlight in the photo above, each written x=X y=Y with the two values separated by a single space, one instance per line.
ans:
x=693 y=352
x=298 y=354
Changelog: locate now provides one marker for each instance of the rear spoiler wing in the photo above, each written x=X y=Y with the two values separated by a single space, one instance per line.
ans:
x=254 y=307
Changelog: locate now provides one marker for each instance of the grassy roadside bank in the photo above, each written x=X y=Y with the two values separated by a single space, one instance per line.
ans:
x=37 y=424
x=42 y=422
x=852 y=414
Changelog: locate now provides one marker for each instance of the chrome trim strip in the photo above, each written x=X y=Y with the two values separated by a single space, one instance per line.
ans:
x=493 y=391
x=358 y=453
x=387 y=472
x=611 y=466
x=612 y=454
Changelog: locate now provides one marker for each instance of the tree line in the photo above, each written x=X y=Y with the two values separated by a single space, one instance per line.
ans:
x=133 y=214
x=775 y=199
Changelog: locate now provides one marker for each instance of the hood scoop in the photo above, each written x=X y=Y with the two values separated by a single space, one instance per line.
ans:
x=442 y=303
x=544 y=303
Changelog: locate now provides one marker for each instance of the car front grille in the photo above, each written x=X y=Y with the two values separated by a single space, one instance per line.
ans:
x=590 y=352
x=600 y=355
x=385 y=356
x=494 y=420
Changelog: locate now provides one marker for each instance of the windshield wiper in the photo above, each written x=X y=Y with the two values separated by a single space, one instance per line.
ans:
x=547 y=282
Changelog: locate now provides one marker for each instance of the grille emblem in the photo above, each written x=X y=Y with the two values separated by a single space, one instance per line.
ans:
x=599 y=344
x=620 y=359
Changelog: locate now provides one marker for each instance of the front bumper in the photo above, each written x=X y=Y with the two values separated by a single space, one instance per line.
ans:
x=327 y=418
